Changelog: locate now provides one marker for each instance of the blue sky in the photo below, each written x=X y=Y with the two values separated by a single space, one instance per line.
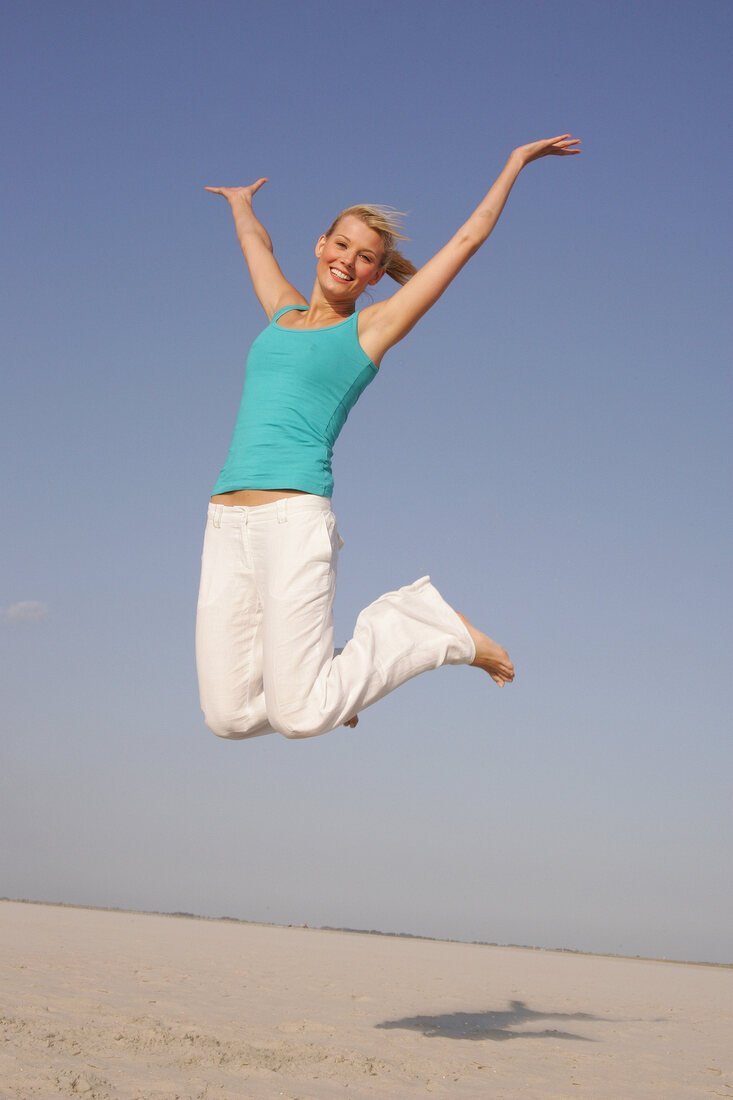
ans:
x=552 y=444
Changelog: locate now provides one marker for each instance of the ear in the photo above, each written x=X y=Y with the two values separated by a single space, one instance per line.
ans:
x=375 y=278
x=320 y=245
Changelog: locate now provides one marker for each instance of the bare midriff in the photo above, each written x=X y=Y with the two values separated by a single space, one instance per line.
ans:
x=250 y=498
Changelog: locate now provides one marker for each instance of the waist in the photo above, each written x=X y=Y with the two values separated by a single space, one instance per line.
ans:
x=253 y=498
x=280 y=507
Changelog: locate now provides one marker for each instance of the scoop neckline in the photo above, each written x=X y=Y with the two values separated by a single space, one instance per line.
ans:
x=303 y=309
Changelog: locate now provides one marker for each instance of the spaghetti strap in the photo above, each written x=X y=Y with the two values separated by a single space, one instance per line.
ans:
x=285 y=309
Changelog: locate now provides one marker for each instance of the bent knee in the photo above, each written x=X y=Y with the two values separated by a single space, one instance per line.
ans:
x=228 y=726
x=225 y=729
x=299 y=725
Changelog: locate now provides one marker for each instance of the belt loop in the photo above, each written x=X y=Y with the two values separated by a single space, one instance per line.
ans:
x=218 y=509
x=282 y=510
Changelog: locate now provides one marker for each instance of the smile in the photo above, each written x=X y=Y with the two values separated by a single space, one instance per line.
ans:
x=339 y=275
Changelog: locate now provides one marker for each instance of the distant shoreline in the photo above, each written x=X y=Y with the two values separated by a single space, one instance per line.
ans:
x=371 y=932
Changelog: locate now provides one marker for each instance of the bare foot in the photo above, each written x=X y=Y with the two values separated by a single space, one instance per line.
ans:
x=490 y=656
x=352 y=722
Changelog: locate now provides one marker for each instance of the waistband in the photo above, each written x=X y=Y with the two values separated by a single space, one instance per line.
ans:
x=225 y=514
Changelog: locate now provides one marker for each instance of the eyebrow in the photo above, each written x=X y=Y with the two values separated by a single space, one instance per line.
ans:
x=372 y=251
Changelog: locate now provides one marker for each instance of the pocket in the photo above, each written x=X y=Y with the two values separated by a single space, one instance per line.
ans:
x=333 y=532
x=312 y=537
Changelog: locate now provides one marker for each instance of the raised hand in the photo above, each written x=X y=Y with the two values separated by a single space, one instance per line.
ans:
x=232 y=194
x=562 y=146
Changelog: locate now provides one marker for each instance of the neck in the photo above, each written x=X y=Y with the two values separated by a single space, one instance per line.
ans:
x=322 y=312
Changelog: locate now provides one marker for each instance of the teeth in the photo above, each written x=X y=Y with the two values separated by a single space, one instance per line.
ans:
x=339 y=275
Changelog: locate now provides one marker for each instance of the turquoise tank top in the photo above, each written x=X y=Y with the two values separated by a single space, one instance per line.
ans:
x=299 y=387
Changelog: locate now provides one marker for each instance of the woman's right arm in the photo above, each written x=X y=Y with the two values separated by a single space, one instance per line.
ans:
x=270 y=285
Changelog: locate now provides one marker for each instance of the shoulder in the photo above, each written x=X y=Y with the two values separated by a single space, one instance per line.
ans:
x=291 y=299
x=369 y=330
x=292 y=322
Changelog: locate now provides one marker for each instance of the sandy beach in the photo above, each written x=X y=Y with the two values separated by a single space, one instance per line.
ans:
x=105 y=1004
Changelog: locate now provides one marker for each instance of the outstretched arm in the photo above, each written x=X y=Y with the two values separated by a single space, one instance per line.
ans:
x=270 y=285
x=385 y=323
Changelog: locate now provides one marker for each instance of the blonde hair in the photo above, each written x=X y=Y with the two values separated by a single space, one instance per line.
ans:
x=386 y=222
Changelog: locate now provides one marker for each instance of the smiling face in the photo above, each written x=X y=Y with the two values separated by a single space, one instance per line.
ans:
x=349 y=259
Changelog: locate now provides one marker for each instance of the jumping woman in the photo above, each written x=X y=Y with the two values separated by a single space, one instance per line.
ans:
x=264 y=631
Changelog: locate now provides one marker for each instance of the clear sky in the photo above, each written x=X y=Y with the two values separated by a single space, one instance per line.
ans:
x=552 y=444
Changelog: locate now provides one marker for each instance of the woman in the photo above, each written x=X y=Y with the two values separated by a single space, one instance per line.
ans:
x=264 y=633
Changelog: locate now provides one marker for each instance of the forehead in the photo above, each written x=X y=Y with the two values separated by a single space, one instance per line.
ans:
x=359 y=233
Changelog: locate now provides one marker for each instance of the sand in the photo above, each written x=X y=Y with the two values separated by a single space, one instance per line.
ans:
x=105 y=1004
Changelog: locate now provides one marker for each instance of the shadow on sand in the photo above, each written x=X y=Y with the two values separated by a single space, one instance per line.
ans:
x=491 y=1025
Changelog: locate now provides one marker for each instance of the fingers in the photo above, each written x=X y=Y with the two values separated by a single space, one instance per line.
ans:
x=247 y=191
x=563 y=145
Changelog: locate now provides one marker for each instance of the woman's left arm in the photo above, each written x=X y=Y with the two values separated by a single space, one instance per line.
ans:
x=385 y=323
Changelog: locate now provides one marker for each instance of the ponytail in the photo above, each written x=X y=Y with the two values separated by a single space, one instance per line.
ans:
x=399 y=268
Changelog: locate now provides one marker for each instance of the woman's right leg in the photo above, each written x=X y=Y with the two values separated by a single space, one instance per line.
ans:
x=229 y=630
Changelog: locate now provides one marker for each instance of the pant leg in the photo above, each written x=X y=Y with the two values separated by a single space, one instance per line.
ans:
x=229 y=630
x=308 y=689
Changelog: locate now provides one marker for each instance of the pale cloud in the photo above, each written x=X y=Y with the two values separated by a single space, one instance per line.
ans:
x=27 y=611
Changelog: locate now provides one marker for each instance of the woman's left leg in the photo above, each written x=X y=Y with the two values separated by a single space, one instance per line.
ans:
x=307 y=688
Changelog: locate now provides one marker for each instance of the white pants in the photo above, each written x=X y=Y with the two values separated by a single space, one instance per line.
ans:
x=264 y=629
